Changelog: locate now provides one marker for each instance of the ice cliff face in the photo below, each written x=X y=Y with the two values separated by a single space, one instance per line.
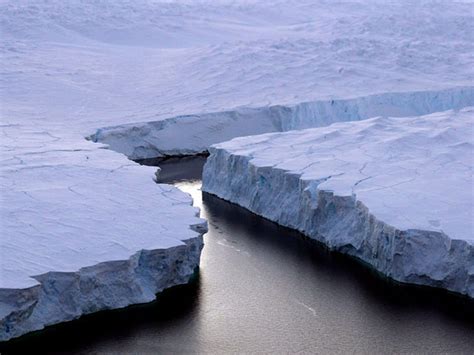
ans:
x=64 y=296
x=193 y=134
x=395 y=193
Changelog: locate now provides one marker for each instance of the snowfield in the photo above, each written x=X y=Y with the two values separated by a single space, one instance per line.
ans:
x=396 y=193
x=94 y=64
x=83 y=230
x=153 y=78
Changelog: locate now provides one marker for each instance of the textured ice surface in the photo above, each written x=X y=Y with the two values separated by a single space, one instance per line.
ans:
x=84 y=229
x=97 y=64
x=70 y=68
x=396 y=193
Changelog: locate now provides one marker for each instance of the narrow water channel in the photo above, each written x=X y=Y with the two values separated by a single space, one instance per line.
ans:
x=265 y=289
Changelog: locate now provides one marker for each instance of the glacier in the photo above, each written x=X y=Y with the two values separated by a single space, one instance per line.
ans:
x=83 y=230
x=395 y=193
x=157 y=78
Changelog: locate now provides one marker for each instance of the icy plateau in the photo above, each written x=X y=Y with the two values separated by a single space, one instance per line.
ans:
x=84 y=229
x=394 y=192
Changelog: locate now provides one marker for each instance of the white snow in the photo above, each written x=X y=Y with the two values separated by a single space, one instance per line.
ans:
x=395 y=192
x=84 y=229
x=96 y=64
x=152 y=78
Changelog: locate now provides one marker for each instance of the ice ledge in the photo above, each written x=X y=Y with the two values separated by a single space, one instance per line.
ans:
x=395 y=193
x=64 y=296
x=84 y=229
x=195 y=133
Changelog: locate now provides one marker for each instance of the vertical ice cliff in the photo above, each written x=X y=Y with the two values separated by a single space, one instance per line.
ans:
x=395 y=193
x=60 y=296
x=193 y=134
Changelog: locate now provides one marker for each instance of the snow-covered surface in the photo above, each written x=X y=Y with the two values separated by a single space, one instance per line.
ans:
x=95 y=64
x=396 y=193
x=100 y=205
x=69 y=68
x=84 y=229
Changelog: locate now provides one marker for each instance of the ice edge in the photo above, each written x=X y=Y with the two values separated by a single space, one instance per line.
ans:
x=343 y=224
x=65 y=296
x=199 y=131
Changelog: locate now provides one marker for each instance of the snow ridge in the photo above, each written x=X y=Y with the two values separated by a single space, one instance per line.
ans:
x=193 y=134
x=371 y=189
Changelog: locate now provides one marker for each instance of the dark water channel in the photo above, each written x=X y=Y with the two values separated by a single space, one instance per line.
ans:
x=265 y=289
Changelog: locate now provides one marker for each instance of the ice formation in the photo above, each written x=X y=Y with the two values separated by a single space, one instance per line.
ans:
x=193 y=134
x=83 y=229
x=194 y=68
x=393 y=192
x=152 y=78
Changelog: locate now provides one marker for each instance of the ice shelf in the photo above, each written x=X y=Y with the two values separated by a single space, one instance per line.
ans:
x=152 y=78
x=149 y=82
x=397 y=193
x=84 y=229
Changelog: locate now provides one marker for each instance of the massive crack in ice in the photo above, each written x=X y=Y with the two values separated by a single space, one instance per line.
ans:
x=84 y=229
x=394 y=192
x=68 y=68
x=193 y=134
